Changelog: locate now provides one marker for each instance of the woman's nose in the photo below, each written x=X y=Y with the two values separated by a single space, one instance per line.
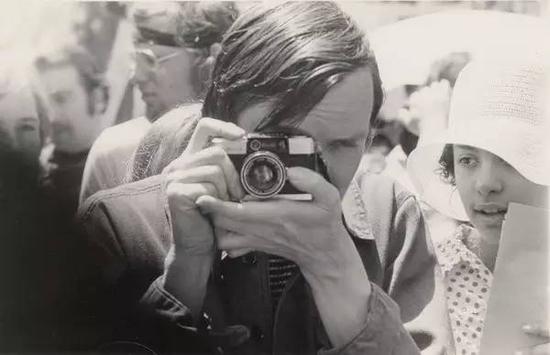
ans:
x=488 y=179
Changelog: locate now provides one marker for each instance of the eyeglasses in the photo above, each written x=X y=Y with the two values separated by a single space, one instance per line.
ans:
x=153 y=60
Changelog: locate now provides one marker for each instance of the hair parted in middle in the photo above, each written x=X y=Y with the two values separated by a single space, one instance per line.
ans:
x=289 y=54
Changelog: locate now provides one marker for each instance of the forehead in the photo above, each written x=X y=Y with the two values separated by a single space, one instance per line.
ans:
x=18 y=104
x=60 y=78
x=479 y=152
x=343 y=112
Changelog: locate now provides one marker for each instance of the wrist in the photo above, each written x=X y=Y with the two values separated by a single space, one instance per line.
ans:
x=342 y=299
x=338 y=260
x=186 y=278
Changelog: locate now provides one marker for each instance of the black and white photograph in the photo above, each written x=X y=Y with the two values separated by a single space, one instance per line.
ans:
x=352 y=177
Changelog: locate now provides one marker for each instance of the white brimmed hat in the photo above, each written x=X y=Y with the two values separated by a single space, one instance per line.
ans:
x=499 y=105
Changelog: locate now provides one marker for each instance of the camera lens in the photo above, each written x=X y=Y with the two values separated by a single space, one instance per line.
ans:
x=263 y=174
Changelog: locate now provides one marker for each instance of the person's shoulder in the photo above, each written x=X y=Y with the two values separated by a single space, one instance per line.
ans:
x=122 y=199
x=122 y=134
x=379 y=187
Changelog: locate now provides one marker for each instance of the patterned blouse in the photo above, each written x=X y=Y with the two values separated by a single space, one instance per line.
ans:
x=467 y=282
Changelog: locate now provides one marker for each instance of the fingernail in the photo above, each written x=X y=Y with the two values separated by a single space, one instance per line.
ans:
x=200 y=201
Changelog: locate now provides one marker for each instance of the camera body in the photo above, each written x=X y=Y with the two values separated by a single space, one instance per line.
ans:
x=262 y=159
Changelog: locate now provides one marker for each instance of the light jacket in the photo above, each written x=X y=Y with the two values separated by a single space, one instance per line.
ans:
x=129 y=235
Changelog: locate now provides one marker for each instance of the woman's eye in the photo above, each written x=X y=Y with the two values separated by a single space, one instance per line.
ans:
x=467 y=162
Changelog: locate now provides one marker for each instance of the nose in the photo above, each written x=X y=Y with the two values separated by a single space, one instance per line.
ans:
x=141 y=72
x=488 y=179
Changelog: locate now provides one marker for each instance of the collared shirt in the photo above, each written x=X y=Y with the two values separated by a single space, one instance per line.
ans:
x=467 y=282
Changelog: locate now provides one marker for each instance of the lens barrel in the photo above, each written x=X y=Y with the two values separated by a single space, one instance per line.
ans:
x=263 y=174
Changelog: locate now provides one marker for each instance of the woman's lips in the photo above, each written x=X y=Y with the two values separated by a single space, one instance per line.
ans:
x=490 y=214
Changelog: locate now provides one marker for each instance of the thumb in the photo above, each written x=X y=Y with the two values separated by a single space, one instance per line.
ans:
x=311 y=182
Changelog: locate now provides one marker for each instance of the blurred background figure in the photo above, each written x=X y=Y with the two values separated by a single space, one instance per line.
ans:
x=175 y=46
x=21 y=128
x=77 y=96
x=422 y=112
x=34 y=242
x=374 y=159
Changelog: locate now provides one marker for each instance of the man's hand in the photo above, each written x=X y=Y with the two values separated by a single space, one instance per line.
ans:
x=310 y=233
x=306 y=232
x=540 y=332
x=199 y=171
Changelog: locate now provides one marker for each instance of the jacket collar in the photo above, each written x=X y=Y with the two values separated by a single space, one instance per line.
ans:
x=355 y=213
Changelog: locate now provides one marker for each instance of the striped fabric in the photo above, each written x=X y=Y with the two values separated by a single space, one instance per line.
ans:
x=280 y=271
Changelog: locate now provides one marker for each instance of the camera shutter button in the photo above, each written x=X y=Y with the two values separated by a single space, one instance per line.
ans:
x=255 y=145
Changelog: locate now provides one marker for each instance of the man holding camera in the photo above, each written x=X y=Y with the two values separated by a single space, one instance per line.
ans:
x=208 y=269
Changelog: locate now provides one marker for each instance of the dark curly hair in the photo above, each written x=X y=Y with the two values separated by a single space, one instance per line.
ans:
x=446 y=165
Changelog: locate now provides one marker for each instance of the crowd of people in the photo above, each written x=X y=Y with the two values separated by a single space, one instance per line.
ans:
x=140 y=238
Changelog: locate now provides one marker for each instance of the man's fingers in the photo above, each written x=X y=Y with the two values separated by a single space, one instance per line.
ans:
x=235 y=253
x=324 y=194
x=208 y=128
x=543 y=349
x=235 y=244
x=184 y=195
x=536 y=330
x=210 y=156
x=231 y=210
x=212 y=174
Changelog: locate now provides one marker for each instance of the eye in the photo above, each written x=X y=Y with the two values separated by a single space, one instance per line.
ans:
x=467 y=161
x=346 y=143
x=27 y=127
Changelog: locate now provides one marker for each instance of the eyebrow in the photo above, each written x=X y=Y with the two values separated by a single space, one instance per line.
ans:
x=467 y=147
x=289 y=130
x=28 y=119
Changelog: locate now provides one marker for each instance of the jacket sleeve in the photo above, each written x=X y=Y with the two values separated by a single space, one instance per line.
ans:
x=383 y=333
x=416 y=280
x=410 y=274
x=112 y=311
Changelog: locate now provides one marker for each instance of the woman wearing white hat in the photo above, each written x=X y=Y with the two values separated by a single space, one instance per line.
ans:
x=495 y=151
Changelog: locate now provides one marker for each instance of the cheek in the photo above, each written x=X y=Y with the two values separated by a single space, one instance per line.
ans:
x=465 y=185
x=176 y=82
x=341 y=165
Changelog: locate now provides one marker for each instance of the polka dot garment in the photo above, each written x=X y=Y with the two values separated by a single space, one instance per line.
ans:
x=467 y=282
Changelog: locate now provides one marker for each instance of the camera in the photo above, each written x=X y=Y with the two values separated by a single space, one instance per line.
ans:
x=262 y=159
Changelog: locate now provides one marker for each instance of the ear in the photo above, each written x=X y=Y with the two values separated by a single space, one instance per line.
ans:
x=100 y=99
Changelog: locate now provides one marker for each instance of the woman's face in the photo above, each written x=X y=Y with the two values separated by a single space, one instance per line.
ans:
x=487 y=184
x=19 y=125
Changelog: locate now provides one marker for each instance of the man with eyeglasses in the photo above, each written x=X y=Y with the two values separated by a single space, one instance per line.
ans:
x=175 y=47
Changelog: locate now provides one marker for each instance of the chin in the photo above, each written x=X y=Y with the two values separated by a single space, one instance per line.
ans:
x=491 y=235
